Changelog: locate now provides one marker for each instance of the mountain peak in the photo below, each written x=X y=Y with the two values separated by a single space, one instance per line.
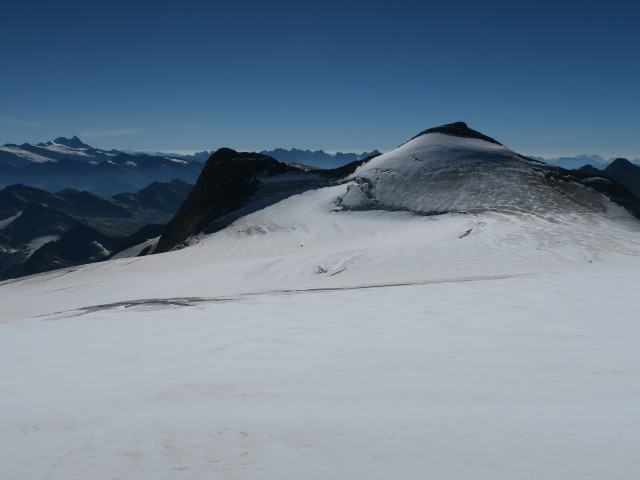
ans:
x=621 y=163
x=458 y=129
x=226 y=154
x=73 y=142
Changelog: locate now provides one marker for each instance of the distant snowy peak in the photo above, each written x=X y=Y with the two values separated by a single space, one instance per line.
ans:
x=61 y=148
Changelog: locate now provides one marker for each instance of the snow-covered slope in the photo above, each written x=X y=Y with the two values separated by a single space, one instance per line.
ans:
x=436 y=172
x=308 y=242
x=518 y=378
x=500 y=214
x=346 y=332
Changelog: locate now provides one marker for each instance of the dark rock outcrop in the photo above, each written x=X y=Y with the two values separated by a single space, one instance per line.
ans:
x=73 y=142
x=226 y=183
x=590 y=169
x=458 y=129
x=626 y=173
x=622 y=171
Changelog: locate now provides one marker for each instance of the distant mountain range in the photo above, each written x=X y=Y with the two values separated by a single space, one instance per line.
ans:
x=317 y=158
x=40 y=231
x=198 y=156
x=70 y=163
x=119 y=174
x=573 y=163
x=313 y=158
x=59 y=149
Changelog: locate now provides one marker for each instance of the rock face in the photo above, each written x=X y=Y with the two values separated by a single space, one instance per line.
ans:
x=458 y=129
x=626 y=173
x=622 y=171
x=226 y=183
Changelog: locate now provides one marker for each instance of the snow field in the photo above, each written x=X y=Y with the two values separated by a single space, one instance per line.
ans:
x=512 y=378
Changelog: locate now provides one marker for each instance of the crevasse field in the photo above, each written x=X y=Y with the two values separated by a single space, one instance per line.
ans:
x=343 y=334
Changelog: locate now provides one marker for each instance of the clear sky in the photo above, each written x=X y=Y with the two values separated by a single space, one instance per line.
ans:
x=545 y=78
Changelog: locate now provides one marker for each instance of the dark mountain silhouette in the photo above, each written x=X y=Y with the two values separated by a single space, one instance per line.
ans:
x=227 y=182
x=626 y=173
x=36 y=220
x=88 y=204
x=73 y=142
x=80 y=244
x=317 y=158
x=31 y=218
x=591 y=170
x=622 y=171
x=119 y=174
x=15 y=198
x=166 y=197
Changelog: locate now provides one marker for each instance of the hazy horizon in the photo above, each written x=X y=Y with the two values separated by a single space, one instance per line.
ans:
x=545 y=79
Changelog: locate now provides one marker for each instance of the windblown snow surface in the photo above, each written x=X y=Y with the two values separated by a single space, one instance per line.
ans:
x=345 y=333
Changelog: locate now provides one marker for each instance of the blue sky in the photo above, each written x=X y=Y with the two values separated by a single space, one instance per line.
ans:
x=545 y=78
